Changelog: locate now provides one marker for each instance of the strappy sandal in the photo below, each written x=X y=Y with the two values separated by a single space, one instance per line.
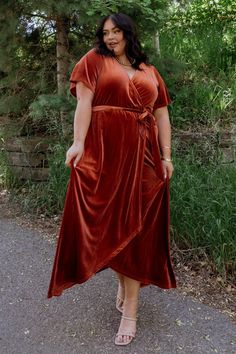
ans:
x=119 y=303
x=119 y=300
x=126 y=333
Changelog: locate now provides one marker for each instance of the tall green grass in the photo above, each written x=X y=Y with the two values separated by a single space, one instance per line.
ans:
x=7 y=178
x=201 y=80
x=207 y=101
x=203 y=209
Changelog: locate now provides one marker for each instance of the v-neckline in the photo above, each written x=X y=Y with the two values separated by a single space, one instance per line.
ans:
x=130 y=78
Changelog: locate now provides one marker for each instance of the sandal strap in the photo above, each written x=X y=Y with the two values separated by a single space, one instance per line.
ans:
x=126 y=333
x=129 y=318
x=119 y=298
x=131 y=300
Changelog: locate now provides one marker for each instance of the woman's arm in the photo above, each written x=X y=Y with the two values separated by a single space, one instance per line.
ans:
x=164 y=134
x=82 y=120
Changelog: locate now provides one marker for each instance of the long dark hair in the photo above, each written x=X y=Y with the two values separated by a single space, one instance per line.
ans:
x=133 y=47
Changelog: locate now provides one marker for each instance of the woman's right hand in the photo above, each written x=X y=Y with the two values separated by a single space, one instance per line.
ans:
x=74 y=152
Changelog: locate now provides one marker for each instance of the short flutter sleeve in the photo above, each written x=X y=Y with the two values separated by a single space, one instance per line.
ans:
x=86 y=71
x=163 y=98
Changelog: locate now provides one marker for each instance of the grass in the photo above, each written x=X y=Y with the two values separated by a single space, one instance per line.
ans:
x=203 y=101
x=202 y=88
x=203 y=210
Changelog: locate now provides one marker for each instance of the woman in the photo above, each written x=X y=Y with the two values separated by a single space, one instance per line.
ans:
x=116 y=211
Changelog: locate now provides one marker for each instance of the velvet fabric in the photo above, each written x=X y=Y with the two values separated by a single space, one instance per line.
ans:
x=116 y=212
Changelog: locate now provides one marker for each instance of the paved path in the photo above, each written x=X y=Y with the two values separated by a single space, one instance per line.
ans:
x=83 y=320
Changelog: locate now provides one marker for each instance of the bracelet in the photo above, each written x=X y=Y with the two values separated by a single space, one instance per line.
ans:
x=167 y=160
x=166 y=147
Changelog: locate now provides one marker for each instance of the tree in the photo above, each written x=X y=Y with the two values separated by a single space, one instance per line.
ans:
x=41 y=39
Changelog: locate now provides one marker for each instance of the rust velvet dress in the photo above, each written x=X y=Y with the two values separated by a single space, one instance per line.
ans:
x=116 y=212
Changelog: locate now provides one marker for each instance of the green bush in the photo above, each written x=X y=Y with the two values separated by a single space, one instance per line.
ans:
x=203 y=209
x=200 y=71
x=203 y=100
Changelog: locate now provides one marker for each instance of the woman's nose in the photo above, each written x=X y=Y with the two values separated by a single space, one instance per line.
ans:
x=110 y=35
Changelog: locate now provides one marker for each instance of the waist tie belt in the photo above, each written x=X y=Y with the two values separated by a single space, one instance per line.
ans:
x=142 y=117
x=146 y=122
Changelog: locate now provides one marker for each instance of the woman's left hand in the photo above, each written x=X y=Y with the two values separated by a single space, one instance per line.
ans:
x=167 y=168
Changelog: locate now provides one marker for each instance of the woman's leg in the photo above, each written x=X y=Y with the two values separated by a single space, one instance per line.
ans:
x=130 y=307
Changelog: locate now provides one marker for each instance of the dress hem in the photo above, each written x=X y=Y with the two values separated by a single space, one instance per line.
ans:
x=144 y=282
x=100 y=267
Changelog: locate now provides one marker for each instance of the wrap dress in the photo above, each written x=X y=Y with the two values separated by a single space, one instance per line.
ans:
x=116 y=212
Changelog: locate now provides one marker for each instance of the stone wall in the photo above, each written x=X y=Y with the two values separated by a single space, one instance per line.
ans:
x=28 y=157
x=219 y=145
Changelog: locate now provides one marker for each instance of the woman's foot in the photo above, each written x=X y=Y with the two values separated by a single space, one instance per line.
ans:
x=120 y=297
x=127 y=329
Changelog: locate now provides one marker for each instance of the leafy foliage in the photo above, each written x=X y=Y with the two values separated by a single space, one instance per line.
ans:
x=28 y=38
x=206 y=27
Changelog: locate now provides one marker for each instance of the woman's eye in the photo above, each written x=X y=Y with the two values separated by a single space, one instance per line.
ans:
x=115 y=32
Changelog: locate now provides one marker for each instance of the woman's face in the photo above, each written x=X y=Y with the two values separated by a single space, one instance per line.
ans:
x=113 y=37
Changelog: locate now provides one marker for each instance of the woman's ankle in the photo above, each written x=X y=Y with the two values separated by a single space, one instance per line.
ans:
x=130 y=307
x=131 y=299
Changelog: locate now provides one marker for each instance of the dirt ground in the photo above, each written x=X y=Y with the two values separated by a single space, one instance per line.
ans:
x=195 y=277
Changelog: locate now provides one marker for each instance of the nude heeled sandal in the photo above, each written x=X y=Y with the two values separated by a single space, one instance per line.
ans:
x=126 y=333
x=119 y=303
x=119 y=300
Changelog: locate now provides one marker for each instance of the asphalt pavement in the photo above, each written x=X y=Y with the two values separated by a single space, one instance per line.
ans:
x=84 y=319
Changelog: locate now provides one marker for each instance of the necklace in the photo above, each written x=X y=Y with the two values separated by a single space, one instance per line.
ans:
x=122 y=63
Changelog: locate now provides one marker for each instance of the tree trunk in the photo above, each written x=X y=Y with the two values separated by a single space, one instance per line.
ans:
x=156 y=43
x=62 y=47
